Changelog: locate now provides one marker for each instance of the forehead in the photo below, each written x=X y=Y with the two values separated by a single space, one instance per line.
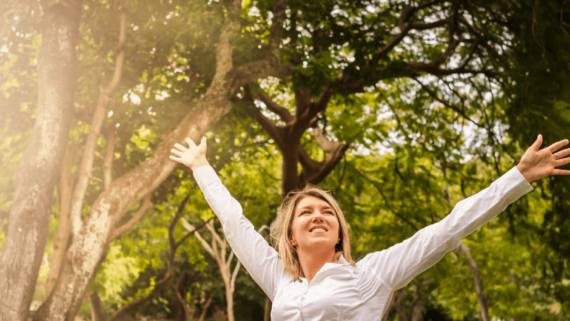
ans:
x=311 y=201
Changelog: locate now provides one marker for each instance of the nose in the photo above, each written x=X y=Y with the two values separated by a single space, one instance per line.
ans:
x=318 y=217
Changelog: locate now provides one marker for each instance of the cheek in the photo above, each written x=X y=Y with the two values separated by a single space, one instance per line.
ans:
x=295 y=225
x=335 y=225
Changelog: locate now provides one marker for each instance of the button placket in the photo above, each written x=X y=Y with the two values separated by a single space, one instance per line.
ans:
x=303 y=299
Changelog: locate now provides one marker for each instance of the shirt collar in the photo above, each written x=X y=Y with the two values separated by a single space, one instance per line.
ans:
x=342 y=260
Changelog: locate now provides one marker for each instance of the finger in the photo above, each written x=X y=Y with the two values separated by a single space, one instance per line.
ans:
x=190 y=143
x=563 y=153
x=176 y=159
x=180 y=147
x=561 y=172
x=556 y=146
x=203 y=142
x=537 y=143
x=562 y=162
x=176 y=152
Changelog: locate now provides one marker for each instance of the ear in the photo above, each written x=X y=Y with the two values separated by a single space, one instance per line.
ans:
x=338 y=241
x=293 y=242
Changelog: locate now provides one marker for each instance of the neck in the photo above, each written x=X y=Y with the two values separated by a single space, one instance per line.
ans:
x=312 y=261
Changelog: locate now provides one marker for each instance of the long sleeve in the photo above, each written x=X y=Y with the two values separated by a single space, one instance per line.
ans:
x=399 y=264
x=253 y=251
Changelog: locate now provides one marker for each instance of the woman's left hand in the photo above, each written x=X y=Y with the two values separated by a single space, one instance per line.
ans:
x=536 y=164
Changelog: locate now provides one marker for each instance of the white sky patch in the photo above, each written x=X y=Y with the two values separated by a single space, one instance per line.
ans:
x=160 y=97
x=132 y=97
x=253 y=12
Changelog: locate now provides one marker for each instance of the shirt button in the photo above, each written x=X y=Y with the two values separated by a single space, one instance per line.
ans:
x=299 y=309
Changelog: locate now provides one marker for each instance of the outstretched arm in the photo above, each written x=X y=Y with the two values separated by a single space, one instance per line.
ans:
x=399 y=264
x=253 y=251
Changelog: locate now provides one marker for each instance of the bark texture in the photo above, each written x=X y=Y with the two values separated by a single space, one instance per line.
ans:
x=39 y=169
x=91 y=235
x=64 y=231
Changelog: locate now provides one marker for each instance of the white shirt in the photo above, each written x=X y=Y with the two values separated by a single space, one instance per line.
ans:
x=362 y=292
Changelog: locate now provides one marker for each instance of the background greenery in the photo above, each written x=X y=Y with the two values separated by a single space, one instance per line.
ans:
x=406 y=148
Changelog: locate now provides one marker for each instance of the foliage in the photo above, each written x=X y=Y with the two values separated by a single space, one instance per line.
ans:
x=412 y=138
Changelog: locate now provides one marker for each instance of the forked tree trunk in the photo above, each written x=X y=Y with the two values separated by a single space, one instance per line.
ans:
x=39 y=169
x=223 y=261
x=94 y=231
x=72 y=200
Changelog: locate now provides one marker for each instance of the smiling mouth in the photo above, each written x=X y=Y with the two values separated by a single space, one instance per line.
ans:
x=315 y=229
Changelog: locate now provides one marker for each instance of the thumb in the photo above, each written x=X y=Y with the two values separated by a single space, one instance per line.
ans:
x=203 y=143
x=536 y=145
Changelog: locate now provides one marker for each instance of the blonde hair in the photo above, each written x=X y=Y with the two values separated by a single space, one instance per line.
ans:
x=280 y=229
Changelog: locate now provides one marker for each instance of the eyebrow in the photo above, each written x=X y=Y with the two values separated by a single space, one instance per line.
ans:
x=311 y=207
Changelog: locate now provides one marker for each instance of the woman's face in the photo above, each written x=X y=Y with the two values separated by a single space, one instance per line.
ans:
x=315 y=225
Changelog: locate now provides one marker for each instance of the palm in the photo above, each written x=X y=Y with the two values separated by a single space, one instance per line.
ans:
x=192 y=156
x=536 y=164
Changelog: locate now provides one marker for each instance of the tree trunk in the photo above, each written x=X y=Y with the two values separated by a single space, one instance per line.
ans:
x=205 y=308
x=96 y=307
x=267 y=311
x=88 y=244
x=400 y=304
x=93 y=232
x=64 y=231
x=483 y=311
x=230 y=300
x=417 y=303
x=39 y=169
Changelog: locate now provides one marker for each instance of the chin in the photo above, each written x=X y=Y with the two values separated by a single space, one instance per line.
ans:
x=320 y=243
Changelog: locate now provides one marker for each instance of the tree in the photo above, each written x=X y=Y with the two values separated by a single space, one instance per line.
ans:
x=91 y=235
x=330 y=84
x=38 y=171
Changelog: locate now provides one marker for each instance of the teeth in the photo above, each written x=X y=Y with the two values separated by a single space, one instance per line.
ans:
x=318 y=228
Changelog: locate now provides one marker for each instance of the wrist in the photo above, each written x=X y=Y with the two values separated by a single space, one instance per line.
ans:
x=525 y=172
x=199 y=163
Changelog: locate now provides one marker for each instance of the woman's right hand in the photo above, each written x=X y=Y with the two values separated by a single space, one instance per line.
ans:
x=193 y=156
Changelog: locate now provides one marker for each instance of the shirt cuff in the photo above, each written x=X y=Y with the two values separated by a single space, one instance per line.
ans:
x=205 y=176
x=515 y=185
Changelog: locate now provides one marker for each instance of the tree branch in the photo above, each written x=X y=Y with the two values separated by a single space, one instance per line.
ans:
x=328 y=164
x=91 y=143
x=109 y=155
x=146 y=205
x=379 y=189
x=308 y=164
x=187 y=310
x=271 y=65
x=234 y=275
x=326 y=145
x=448 y=105
x=169 y=270
x=207 y=246
x=64 y=232
x=483 y=310
x=282 y=112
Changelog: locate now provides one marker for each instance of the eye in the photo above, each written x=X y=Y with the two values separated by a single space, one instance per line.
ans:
x=305 y=212
x=329 y=212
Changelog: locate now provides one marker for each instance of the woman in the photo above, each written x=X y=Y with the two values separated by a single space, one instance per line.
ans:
x=310 y=274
